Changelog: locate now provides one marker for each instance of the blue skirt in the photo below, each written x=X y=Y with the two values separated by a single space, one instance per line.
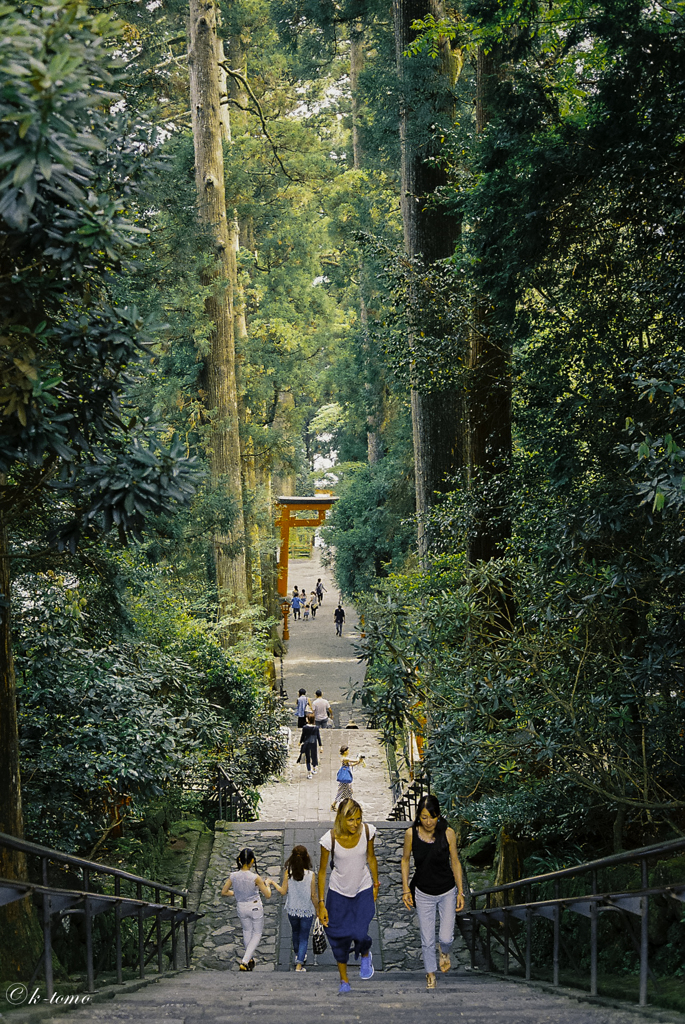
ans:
x=349 y=918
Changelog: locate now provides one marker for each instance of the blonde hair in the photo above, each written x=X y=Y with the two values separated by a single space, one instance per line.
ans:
x=346 y=809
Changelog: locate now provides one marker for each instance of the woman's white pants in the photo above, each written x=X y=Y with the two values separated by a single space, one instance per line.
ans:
x=252 y=919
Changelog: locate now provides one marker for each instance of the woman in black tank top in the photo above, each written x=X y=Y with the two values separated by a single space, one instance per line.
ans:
x=437 y=883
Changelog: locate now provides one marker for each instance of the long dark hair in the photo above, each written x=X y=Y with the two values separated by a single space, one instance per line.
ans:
x=245 y=857
x=298 y=862
x=431 y=804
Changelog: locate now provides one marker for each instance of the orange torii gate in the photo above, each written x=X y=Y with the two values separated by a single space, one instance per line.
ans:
x=289 y=507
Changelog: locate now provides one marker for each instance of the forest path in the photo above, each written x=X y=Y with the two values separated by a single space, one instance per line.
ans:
x=200 y=997
x=318 y=659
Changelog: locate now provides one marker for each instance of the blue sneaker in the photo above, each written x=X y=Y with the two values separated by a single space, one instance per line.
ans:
x=366 y=967
x=344 y=987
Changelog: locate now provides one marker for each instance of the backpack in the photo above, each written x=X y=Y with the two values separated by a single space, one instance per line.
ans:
x=344 y=774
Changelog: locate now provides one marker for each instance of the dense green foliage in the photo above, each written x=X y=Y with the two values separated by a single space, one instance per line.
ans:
x=549 y=684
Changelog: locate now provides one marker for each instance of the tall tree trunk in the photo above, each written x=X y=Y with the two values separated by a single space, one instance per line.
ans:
x=429 y=232
x=489 y=402
x=374 y=388
x=225 y=462
x=374 y=392
x=18 y=928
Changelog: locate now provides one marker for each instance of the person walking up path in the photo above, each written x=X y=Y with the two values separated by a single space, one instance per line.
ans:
x=323 y=712
x=350 y=905
x=437 y=883
x=246 y=885
x=300 y=891
x=309 y=738
x=339 y=618
x=345 y=778
x=301 y=708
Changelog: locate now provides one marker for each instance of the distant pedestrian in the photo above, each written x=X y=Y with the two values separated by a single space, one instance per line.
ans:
x=299 y=889
x=437 y=883
x=352 y=892
x=305 y=613
x=309 y=739
x=301 y=709
x=320 y=590
x=323 y=712
x=314 y=603
x=246 y=885
x=295 y=605
x=339 y=618
x=345 y=777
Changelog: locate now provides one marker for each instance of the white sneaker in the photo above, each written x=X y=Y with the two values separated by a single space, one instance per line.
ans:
x=315 y=771
x=310 y=776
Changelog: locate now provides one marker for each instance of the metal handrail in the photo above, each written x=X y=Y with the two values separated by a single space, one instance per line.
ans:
x=591 y=904
x=625 y=857
x=237 y=802
x=79 y=862
x=60 y=900
x=402 y=808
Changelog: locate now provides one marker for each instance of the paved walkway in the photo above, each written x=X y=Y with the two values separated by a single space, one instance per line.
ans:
x=294 y=797
x=200 y=997
x=318 y=659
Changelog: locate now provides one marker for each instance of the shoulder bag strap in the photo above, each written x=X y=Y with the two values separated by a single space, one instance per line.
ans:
x=332 y=849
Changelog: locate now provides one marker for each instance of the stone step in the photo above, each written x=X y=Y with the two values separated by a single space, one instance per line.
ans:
x=200 y=997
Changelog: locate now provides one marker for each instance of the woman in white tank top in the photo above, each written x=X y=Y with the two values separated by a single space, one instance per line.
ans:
x=299 y=889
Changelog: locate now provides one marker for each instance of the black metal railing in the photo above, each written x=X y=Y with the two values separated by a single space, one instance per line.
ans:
x=233 y=804
x=501 y=910
x=406 y=802
x=89 y=901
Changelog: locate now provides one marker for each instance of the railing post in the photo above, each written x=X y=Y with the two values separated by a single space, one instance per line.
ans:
x=141 y=934
x=474 y=926
x=117 y=930
x=160 y=966
x=529 y=933
x=557 y=935
x=47 y=932
x=185 y=931
x=88 y=924
x=174 y=943
x=488 y=934
x=644 y=935
x=594 y=914
x=506 y=942
x=88 y=921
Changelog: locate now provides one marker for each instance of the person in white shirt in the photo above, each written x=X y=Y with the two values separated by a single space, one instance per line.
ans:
x=299 y=888
x=322 y=711
x=350 y=904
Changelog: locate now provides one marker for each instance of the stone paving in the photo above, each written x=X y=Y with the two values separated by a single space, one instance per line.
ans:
x=294 y=797
x=317 y=658
x=201 y=997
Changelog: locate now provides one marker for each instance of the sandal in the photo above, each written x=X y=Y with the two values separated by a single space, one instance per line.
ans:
x=445 y=962
x=431 y=981
x=243 y=967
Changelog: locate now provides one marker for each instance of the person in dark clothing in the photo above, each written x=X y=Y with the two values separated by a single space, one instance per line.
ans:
x=308 y=740
x=339 y=617
x=437 y=883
